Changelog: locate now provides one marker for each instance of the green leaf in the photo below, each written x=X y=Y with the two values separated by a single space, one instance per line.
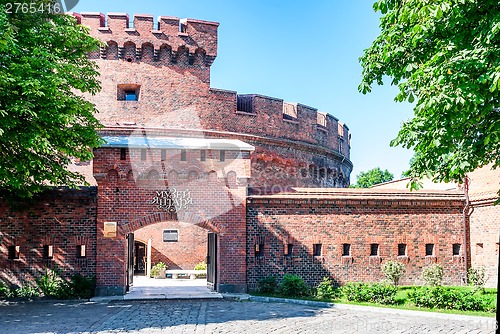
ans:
x=444 y=55
x=45 y=122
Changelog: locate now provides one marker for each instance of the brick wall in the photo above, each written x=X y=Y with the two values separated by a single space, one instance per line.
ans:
x=484 y=232
x=485 y=221
x=60 y=218
x=359 y=219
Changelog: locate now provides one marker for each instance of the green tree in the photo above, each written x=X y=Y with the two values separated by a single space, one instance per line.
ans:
x=444 y=56
x=44 y=120
x=372 y=177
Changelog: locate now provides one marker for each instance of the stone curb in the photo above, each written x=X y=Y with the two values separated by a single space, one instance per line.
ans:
x=434 y=315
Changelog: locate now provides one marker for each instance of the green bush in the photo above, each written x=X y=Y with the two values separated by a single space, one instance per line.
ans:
x=201 y=266
x=267 y=284
x=156 y=269
x=450 y=298
x=325 y=290
x=293 y=286
x=82 y=287
x=433 y=275
x=393 y=270
x=27 y=291
x=373 y=293
x=4 y=290
x=356 y=292
x=477 y=277
x=52 y=285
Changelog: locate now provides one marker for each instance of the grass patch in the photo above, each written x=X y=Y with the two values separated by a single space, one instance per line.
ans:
x=403 y=300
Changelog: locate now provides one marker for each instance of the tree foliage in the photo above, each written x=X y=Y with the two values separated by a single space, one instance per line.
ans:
x=372 y=177
x=444 y=56
x=44 y=120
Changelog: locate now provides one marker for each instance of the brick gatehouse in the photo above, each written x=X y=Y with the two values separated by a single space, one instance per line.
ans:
x=253 y=184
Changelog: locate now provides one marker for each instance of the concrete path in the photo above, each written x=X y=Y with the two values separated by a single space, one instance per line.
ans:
x=151 y=288
x=222 y=316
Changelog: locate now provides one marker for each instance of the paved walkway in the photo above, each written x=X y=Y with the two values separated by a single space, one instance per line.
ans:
x=151 y=288
x=223 y=316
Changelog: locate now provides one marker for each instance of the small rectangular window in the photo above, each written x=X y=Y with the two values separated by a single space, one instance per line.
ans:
x=131 y=95
x=401 y=249
x=288 y=249
x=163 y=155
x=222 y=155
x=429 y=249
x=183 y=155
x=456 y=249
x=123 y=154
x=48 y=251
x=14 y=252
x=128 y=92
x=203 y=155
x=170 y=235
x=346 y=249
x=81 y=251
x=143 y=154
x=317 y=249
x=373 y=249
x=259 y=250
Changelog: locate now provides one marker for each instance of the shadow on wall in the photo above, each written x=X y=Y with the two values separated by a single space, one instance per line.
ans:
x=276 y=252
x=55 y=230
x=157 y=256
x=348 y=240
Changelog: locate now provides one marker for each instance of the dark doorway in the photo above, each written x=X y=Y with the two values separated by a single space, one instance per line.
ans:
x=212 y=261
x=130 y=260
x=140 y=258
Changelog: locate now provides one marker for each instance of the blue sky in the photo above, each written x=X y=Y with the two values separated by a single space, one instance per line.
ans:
x=300 y=51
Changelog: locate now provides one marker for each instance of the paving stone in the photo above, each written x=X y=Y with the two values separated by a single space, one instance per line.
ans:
x=223 y=316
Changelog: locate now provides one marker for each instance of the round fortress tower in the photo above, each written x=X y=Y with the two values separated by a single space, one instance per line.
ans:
x=155 y=76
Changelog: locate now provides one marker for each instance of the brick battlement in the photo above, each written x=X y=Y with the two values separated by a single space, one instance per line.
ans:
x=168 y=38
x=280 y=119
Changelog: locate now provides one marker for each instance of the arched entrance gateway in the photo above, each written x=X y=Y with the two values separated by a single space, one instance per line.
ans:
x=179 y=184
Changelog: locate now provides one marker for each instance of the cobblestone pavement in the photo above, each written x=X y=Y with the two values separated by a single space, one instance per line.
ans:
x=223 y=316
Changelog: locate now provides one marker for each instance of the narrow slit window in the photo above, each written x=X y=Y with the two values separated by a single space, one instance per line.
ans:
x=456 y=249
x=346 y=249
x=374 y=248
x=123 y=154
x=429 y=249
x=288 y=249
x=222 y=156
x=183 y=155
x=48 y=251
x=203 y=155
x=81 y=251
x=14 y=252
x=401 y=249
x=163 y=155
x=317 y=248
x=259 y=250
x=143 y=154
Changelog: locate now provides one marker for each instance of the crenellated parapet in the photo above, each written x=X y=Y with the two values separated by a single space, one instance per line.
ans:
x=275 y=118
x=168 y=40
